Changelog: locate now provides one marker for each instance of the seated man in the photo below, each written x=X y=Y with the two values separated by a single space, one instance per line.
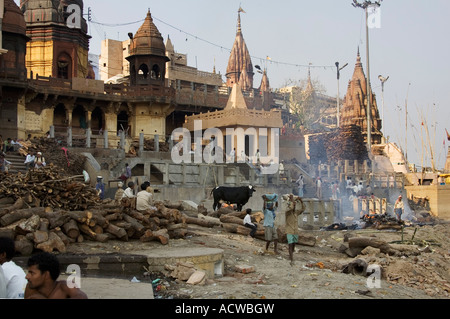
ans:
x=144 y=199
x=43 y=272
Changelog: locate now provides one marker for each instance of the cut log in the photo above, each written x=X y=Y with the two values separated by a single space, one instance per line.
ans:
x=20 y=214
x=200 y=221
x=137 y=226
x=117 y=232
x=40 y=236
x=161 y=235
x=178 y=233
x=71 y=229
x=85 y=229
x=18 y=204
x=242 y=230
x=23 y=246
x=29 y=225
x=357 y=244
x=53 y=243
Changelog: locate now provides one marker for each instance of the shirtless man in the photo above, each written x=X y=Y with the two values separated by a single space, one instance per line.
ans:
x=43 y=270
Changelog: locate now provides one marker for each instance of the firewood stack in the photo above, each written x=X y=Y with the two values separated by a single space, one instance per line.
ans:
x=347 y=143
x=46 y=211
x=149 y=145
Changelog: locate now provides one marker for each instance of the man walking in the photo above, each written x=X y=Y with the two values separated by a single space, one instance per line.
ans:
x=295 y=207
x=270 y=232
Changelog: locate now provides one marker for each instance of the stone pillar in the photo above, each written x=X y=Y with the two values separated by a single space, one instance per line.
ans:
x=122 y=140
x=89 y=119
x=69 y=136
x=156 y=141
x=52 y=131
x=141 y=142
x=88 y=137
x=105 y=138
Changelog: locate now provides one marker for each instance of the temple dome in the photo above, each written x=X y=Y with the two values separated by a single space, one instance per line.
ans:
x=13 y=20
x=148 y=40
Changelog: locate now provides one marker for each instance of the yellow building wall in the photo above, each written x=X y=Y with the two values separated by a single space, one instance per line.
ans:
x=39 y=58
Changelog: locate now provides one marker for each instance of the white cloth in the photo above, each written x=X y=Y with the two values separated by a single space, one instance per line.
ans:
x=144 y=200
x=15 y=278
x=128 y=193
x=248 y=220
x=29 y=158
x=2 y=284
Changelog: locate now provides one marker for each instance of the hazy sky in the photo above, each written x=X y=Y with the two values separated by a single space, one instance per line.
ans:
x=411 y=47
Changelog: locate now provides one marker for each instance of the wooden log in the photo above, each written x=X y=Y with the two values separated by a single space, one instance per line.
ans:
x=71 y=229
x=138 y=227
x=18 y=204
x=23 y=246
x=66 y=240
x=53 y=243
x=161 y=235
x=357 y=244
x=177 y=233
x=20 y=214
x=200 y=222
x=7 y=232
x=44 y=224
x=117 y=232
x=231 y=219
x=40 y=236
x=29 y=225
x=242 y=230
x=85 y=229
x=6 y=201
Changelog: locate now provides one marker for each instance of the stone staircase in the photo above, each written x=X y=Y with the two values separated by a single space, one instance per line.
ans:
x=17 y=163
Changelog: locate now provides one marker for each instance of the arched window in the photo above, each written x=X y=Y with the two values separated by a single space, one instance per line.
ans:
x=64 y=64
x=156 y=72
x=143 y=71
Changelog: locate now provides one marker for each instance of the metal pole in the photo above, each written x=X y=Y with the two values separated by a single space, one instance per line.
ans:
x=337 y=100
x=369 y=123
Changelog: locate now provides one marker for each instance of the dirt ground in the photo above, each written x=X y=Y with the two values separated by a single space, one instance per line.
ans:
x=316 y=274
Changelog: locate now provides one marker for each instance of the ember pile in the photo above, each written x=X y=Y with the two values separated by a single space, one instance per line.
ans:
x=381 y=221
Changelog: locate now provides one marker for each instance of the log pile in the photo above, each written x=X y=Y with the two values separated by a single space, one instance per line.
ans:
x=56 y=153
x=48 y=187
x=346 y=143
x=53 y=229
x=149 y=145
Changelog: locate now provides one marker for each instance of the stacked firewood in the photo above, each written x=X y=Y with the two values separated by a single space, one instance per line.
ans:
x=48 y=187
x=149 y=145
x=43 y=210
x=55 y=152
x=346 y=143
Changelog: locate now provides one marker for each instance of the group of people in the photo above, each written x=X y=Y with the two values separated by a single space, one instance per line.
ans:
x=294 y=208
x=34 y=161
x=142 y=201
x=40 y=281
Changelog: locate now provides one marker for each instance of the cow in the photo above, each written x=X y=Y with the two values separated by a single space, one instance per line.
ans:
x=233 y=195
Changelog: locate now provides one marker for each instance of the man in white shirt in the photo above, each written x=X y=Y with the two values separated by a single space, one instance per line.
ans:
x=248 y=223
x=14 y=275
x=2 y=284
x=29 y=160
x=144 y=199
x=129 y=191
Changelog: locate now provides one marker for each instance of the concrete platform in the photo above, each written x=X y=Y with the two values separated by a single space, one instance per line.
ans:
x=208 y=259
